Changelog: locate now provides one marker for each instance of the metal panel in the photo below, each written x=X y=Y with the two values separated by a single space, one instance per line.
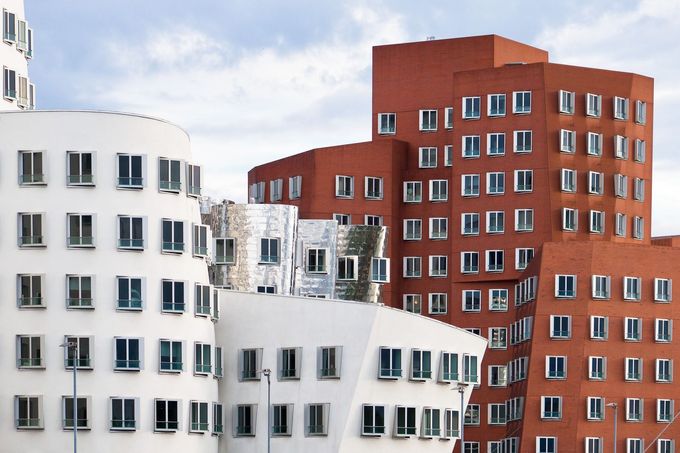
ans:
x=316 y=234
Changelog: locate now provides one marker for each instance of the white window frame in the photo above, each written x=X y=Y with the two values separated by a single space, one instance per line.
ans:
x=497 y=100
x=373 y=182
x=495 y=222
x=387 y=123
x=566 y=100
x=568 y=180
x=427 y=126
x=499 y=139
x=472 y=107
x=342 y=182
x=525 y=148
x=621 y=108
x=593 y=105
x=441 y=194
x=519 y=102
x=413 y=191
x=413 y=229
x=524 y=227
x=495 y=183
x=567 y=141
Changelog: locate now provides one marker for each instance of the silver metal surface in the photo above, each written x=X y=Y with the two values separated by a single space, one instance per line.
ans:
x=316 y=234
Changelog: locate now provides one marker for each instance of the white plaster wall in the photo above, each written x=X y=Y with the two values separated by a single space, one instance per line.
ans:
x=106 y=134
x=272 y=322
x=10 y=57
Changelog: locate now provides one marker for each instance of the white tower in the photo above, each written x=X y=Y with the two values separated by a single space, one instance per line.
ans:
x=18 y=93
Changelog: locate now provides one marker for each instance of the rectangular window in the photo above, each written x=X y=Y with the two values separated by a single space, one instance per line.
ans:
x=555 y=367
x=32 y=168
x=595 y=408
x=373 y=220
x=250 y=364
x=470 y=369
x=30 y=351
x=128 y=354
x=373 y=188
x=390 y=363
x=638 y=189
x=344 y=186
x=595 y=183
x=471 y=416
x=438 y=266
x=551 y=407
x=199 y=417
x=289 y=363
x=469 y=262
x=594 y=144
x=664 y=370
x=80 y=168
x=170 y=360
x=166 y=417
x=79 y=352
x=565 y=286
x=638 y=227
x=380 y=270
x=471 y=107
x=343 y=219
x=524 y=220
x=80 y=230
x=522 y=141
x=469 y=223
x=664 y=410
x=31 y=229
x=498 y=299
x=546 y=444
x=428 y=120
x=202 y=300
x=470 y=185
x=9 y=26
x=194 y=180
x=347 y=267
x=413 y=303
x=597 y=222
x=632 y=329
x=412 y=267
x=317 y=419
x=200 y=240
x=329 y=359
x=566 y=100
x=421 y=364
x=257 y=192
x=130 y=233
x=601 y=286
x=593 y=445
x=620 y=185
x=498 y=376
x=170 y=171
x=28 y=412
x=496 y=104
x=621 y=220
x=495 y=183
x=663 y=289
x=413 y=229
x=448 y=367
x=245 y=420
x=663 y=330
x=495 y=144
x=640 y=151
x=568 y=180
x=79 y=291
x=269 y=251
x=428 y=157
x=439 y=190
x=405 y=421
x=640 y=112
x=632 y=288
x=621 y=107
x=438 y=303
x=130 y=171
x=10 y=84
x=472 y=300
x=599 y=327
x=593 y=105
x=275 y=190
x=620 y=147
x=294 y=187
x=471 y=146
x=567 y=141
x=431 y=426
x=316 y=261
x=569 y=219
x=633 y=409
x=82 y=412
x=597 y=368
x=387 y=123
x=372 y=420
x=218 y=419
x=521 y=102
x=130 y=293
x=438 y=227
x=495 y=260
x=225 y=250
x=495 y=222
x=560 y=326
x=282 y=419
x=413 y=191
x=173 y=296
x=448 y=117
x=267 y=289
x=448 y=155
x=522 y=257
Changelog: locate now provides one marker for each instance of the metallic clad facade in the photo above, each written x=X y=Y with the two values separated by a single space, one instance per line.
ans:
x=316 y=234
x=365 y=242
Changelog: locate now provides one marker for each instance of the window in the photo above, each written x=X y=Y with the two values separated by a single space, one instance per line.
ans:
x=470 y=185
x=522 y=141
x=9 y=26
x=412 y=266
x=413 y=191
x=28 y=412
x=640 y=151
x=316 y=423
x=282 y=419
x=664 y=370
x=470 y=369
x=131 y=233
x=250 y=364
x=219 y=370
x=567 y=141
x=10 y=85
x=438 y=303
x=128 y=354
x=80 y=230
x=556 y=367
x=390 y=363
x=634 y=445
x=568 y=180
x=329 y=359
x=438 y=266
x=123 y=414
x=569 y=219
x=79 y=290
x=640 y=112
x=597 y=222
x=218 y=419
x=620 y=147
x=633 y=370
x=80 y=168
x=663 y=289
x=405 y=421
x=638 y=189
x=638 y=227
x=257 y=192
x=633 y=409
x=431 y=426
x=551 y=407
x=593 y=104
x=498 y=376
x=495 y=260
x=448 y=155
x=522 y=257
x=275 y=190
x=448 y=117
x=130 y=293
x=665 y=446
x=498 y=299
x=495 y=183
x=599 y=327
x=225 y=250
x=31 y=87
x=471 y=146
x=245 y=420
x=343 y=219
x=495 y=222
x=172 y=295
x=495 y=144
x=202 y=300
x=421 y=364
x=566 y=100
x=347 y=267
x=372 y=420
x=621 y=108
x=620 y=224
x=31 y=168
x=412 y=229
x=22 y=93
x=593 y=445
x=82 y=412
x=595 y=408
x=269 y=251
x=620 y=185
x=166 y=417
x=594 y=144
x=664 y=410
x=316 y=261
x=428 y=157
x=565 y=286
x=663 y=330
x=472 y=300
x=469 y=262
x=344 y=186
x=380 y=272
x=546 y=444
x=471 y=107
x=524 y=220
x=469 y=223
x=289 y=363
x=496 y=104
x=601 y=286
x=521 y=102
x=194 y=181
x=448 y=367
x=560 y=326
x=438 y=227
x=170 y=175
x=413 y=303
x=266 y=289
x=632 y=329
x=202 y=359
x=130 y=171
x=31 y=229
x=597 y=368
x=471 y=416
x=170 y=360
x=428 y=120
x=439 y=189
x=632 y=288
x=373 y=188
x=387 y=123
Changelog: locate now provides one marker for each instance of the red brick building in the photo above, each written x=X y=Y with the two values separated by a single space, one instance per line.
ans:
x=518 y=196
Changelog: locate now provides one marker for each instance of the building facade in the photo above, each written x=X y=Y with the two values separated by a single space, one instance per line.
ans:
x=18 y=92
x=483 y=154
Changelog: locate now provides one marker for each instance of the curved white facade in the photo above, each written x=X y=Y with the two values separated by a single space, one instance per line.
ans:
x=18 y=93
x=48 y=251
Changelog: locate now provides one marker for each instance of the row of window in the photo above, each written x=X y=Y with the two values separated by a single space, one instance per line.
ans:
x=128 y=355
x=561 y=327
x=594 y=142
x=130 y=294
x=565 y=287
x=18 y=88
x=17 y=32
x=596 y=223
x=596 y=183
x=438 y=264
x=548 y=444
x=556 y=366
x=256 y=190
x=593 y=106
x=130 y=171
x=374 y=422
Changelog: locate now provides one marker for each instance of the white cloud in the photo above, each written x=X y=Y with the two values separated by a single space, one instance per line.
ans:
x=243 y=108
x=644 y=40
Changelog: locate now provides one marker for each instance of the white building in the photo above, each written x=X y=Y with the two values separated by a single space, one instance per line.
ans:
x=18 y=93
x=346 y=377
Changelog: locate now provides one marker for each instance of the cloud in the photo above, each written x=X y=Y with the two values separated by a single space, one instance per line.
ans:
x=643 y=39
x=244 y=107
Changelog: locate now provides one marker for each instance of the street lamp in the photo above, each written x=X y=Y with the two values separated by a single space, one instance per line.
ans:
x=267 y=372
x=616 y=411
x=68 y=345
x=461 y=389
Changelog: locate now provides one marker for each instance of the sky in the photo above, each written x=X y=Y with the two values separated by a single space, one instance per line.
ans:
x=256 y=80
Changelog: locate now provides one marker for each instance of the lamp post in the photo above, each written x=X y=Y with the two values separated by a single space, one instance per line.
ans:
x=461 y=389
x=616 y=412
x=68 y=345
x=267 y=372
